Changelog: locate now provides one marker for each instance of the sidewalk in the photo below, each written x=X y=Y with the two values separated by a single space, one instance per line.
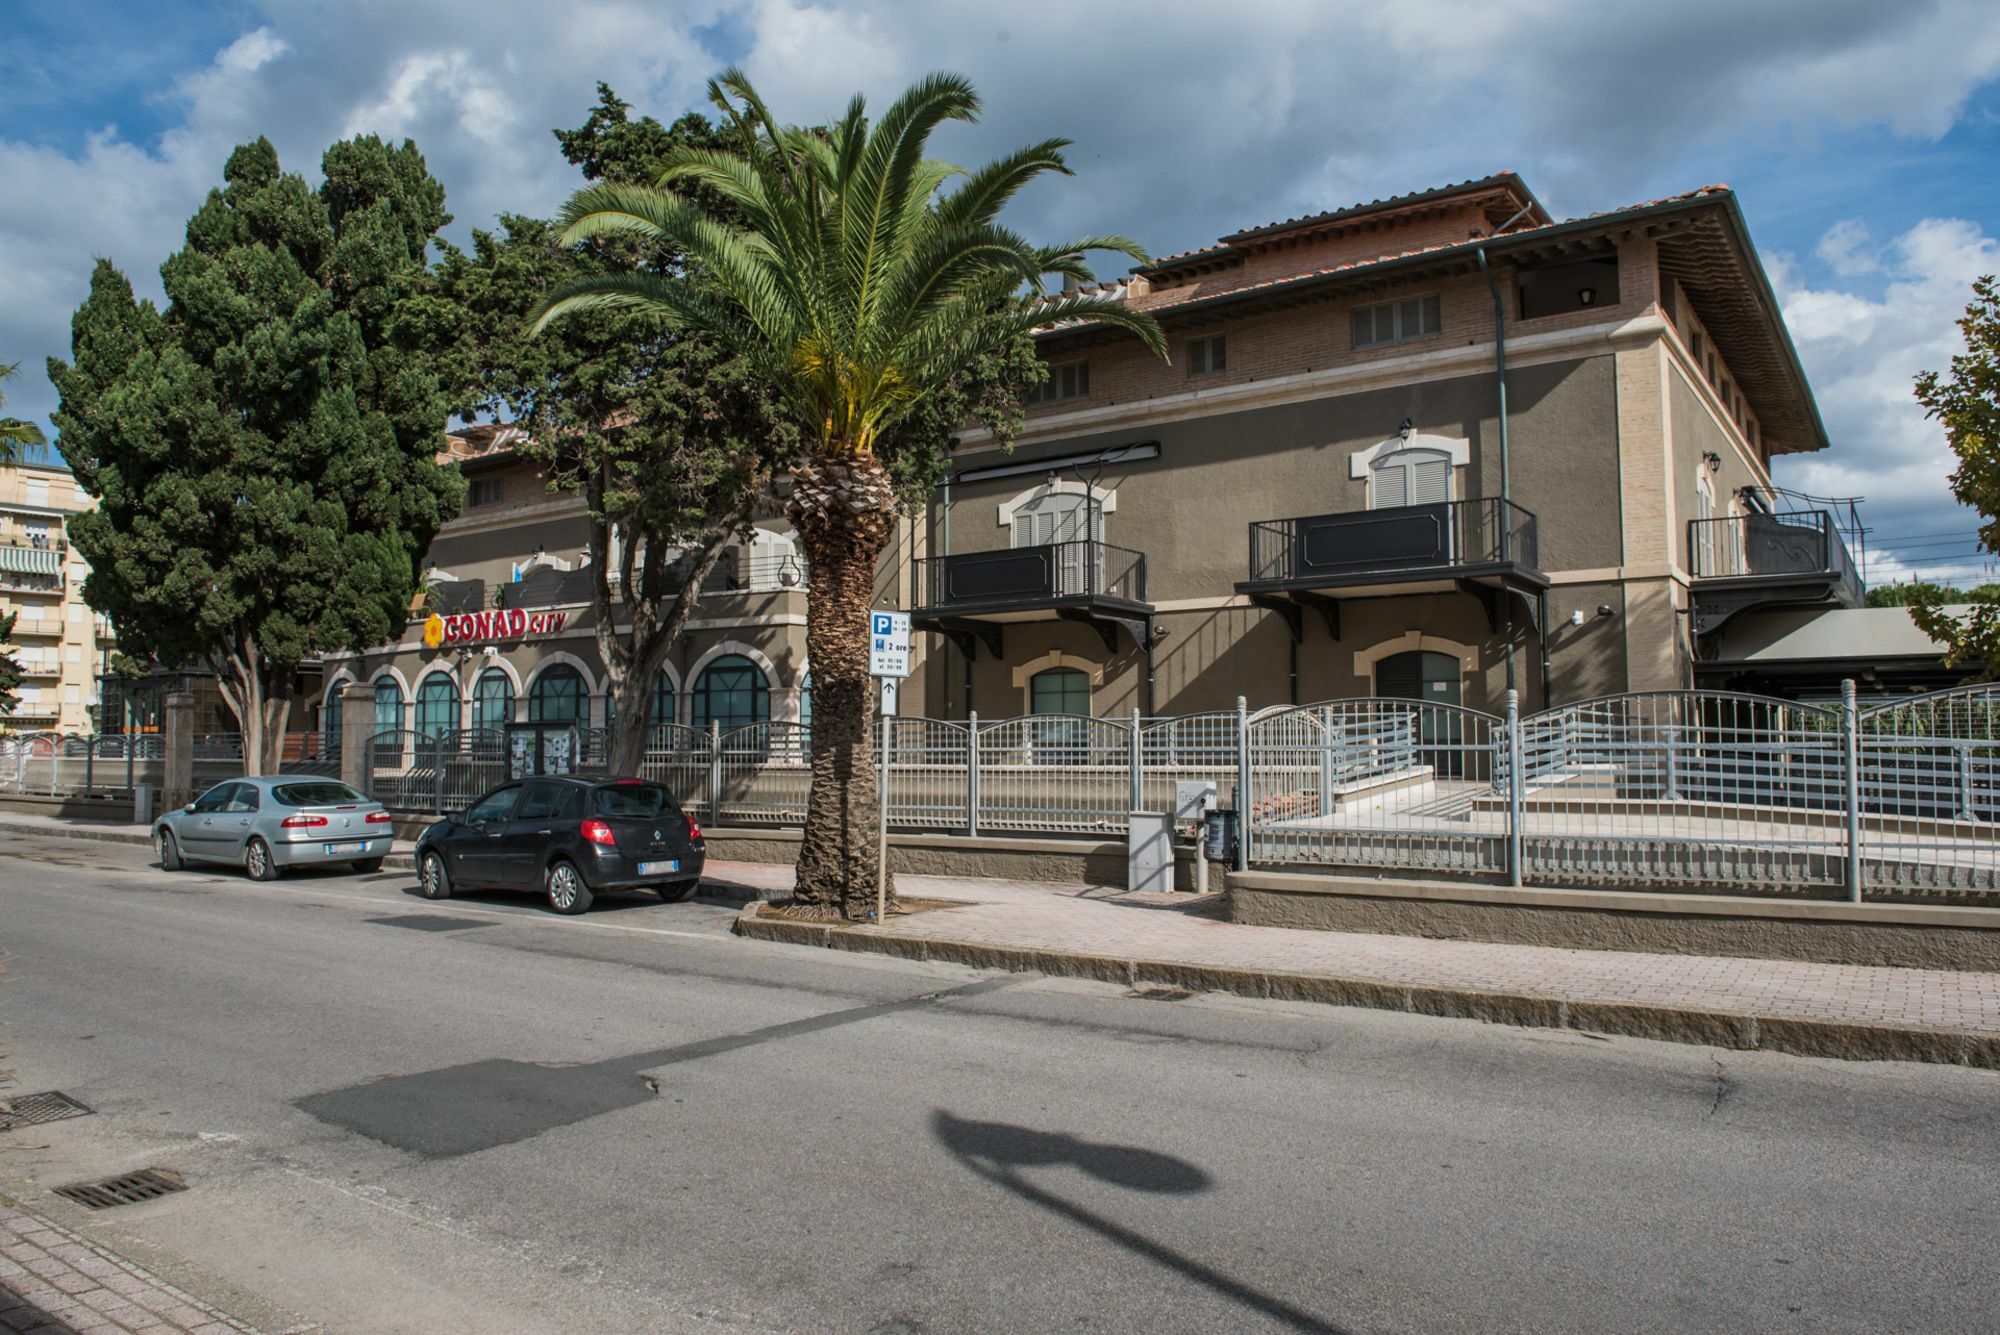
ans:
x=1168 y=940
x=53 y=1280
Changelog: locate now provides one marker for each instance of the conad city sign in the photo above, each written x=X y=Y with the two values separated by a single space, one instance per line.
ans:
x=500 y=624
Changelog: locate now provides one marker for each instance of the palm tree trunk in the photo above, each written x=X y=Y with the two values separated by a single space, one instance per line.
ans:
x=844 y=512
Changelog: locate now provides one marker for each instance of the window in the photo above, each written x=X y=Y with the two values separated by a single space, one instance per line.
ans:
x=1395 y=321
x=545 y=801
x=1206 y=356
x=485 y=491
x=806 y=702
x=324 y=793
x=662 y=710
x=1575 y=286
x=1409 y=477
x=1071 y=380
x=388 y=705
x=558 y=696
x=329 y=715
x=1073 y=524
x=242 y=798
x=495 y=806
x=437 y=706
x=492 y=700
x=732 y=693
x=213 y=800
x=633 y=801
x=1059 y=691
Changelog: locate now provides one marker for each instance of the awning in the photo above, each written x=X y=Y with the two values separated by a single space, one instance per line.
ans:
x=31 y=560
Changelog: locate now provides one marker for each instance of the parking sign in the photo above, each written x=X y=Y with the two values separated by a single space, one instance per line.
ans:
x=889 y=644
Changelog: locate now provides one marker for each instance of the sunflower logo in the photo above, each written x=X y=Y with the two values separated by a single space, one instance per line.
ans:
x=433 y=631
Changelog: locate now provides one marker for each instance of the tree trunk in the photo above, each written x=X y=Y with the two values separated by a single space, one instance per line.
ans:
x=845 y=513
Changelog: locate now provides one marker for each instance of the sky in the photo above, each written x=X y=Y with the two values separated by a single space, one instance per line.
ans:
x=1861 y=137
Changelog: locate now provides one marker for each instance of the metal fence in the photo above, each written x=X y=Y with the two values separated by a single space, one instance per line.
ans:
x=1678 y=789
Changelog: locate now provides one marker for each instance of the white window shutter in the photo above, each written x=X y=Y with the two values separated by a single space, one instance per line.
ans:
x=1391 y=487
x=1430 y=481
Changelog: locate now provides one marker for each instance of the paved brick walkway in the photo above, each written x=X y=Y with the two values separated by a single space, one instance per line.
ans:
x=1184 y=930
x=52 y=1280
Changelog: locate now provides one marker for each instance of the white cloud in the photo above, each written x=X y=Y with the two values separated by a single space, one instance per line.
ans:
x=1189 y=123
x=1863 y=353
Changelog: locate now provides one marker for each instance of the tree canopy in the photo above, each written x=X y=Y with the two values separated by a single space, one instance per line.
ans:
x=1966 y=402
x=263 y=450
x=16 y=433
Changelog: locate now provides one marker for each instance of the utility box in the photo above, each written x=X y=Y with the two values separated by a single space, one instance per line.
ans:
x=1219 y=836
x=1149 y=852
x=145 y=803
x=1193 y=799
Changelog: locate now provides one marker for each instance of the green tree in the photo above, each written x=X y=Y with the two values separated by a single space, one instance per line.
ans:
x=10 y=666
x=263 y=451
x=1967 y=403
x=15 y=433
x=668 y=441
x=860 y=288
x=1920 y=591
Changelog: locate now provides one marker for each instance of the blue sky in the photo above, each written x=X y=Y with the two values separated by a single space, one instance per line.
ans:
x=1861 y=136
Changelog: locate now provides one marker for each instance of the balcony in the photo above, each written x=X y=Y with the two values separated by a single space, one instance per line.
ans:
x=1485 y=548
x=38 y=627
x=1765 y=560
x=970 y=596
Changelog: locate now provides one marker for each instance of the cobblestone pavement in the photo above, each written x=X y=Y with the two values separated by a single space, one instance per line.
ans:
x=1182 y=929
x=52 y=1280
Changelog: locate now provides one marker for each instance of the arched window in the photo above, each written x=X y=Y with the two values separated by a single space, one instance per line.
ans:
x=1059 y=690
x=388 y=705
x=806 y=702
x=732 y=692
x=329 y=717
x=492 y=700
x=558 y=696
x=1409 y=477
x=663 y=698
x=437 y=705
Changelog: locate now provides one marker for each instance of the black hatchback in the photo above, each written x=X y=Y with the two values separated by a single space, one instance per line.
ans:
x=570 y=838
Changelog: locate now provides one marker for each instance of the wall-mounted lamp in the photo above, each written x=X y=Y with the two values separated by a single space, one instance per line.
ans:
x=1713 y=460
x=1406 y=430
x=1604 y=610
x=788 y=573
x=1586 y=296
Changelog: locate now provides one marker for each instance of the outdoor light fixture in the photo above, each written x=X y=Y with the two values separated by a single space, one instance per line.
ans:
x=1604 y=609
x=788 y=573
x=1586 y=296
x=1713 y=460
x=1406 y=430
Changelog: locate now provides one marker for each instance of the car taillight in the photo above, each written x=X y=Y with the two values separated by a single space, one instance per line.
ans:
x=694 y=828
x=597 y=832
x=301 y=822
x=378 y=818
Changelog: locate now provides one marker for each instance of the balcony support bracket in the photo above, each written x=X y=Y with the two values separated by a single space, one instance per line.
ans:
x=1328 y=609
x=1291 y=606
x=967 y=635
x=1107 y=626
x=1286 y=608
x=1489 y=598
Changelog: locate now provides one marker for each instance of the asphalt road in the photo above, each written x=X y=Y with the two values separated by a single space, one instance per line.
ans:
x=399 y=1115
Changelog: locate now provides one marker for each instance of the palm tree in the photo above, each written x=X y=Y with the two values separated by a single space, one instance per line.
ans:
x=837 y=261
x=14 y=432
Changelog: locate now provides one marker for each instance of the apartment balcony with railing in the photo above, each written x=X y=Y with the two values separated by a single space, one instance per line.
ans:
x=738 y=571
x=1762 y=560
x=971 y=595
x=1487 y=548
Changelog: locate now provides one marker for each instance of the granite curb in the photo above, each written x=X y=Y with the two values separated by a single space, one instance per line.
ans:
x=1708 y=1027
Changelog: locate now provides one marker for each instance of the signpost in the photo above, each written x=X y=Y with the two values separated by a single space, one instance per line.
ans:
x=889 y=663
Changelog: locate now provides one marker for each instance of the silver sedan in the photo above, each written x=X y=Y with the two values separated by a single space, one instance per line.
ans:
x=275 y=821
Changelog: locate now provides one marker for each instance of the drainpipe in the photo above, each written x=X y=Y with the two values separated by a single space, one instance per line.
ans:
x=1500 y=374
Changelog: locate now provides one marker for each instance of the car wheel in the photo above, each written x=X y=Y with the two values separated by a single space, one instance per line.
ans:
x=169 y=850
x=567 y=892
x=368 y=866
x=434 y=879
x=258 y=862
x=680 y=892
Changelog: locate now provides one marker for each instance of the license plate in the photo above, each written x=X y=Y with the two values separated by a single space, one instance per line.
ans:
x=658 y=868
x=335 y=850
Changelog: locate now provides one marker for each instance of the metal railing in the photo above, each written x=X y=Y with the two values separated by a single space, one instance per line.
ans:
x=1355 y=544
x=1027 y=576
x=1778 y=546
x=1678 y=790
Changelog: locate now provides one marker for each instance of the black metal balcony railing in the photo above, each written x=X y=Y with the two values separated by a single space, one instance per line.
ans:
x=1777 y=547
x=1030 y=576
x=1358 y=546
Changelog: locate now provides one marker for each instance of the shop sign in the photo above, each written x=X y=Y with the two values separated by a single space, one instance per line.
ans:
x=510 y=623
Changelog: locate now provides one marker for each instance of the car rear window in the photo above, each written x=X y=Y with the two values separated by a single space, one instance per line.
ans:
x=325 y=793
x=640 y=801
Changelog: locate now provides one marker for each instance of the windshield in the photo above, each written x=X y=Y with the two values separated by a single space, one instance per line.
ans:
x=641 y=801
x=323 y=793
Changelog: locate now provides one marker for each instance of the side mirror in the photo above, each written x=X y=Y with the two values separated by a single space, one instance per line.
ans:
x=189 y=808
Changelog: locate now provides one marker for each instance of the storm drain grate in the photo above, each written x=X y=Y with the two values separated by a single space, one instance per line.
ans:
x=34 y=1109
x=1160 y=993
x=129 y=1189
